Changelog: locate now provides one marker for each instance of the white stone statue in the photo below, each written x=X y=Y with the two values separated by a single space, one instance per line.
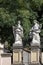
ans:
x=18 y=33
x=34 y=32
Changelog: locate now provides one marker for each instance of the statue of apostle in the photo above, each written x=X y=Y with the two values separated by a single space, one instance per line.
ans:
x=34 y=32
x=18 y=33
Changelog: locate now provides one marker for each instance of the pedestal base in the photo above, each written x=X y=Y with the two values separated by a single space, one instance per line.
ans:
x=35 y=64
x=17 y=54
x=17 y=46
x=35 y=55
x=35 y=44
x=18 y=64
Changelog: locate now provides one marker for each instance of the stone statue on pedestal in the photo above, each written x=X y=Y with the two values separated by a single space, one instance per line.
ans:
x=18 y=46
x=34 y=33
x=18 y=33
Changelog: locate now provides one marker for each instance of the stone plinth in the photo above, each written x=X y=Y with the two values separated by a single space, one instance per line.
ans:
x=35 y=55
x=42 y=57
x=6 y=59
x=35 y=44
x=17 y=54
x=17 y=45
x=17 y=64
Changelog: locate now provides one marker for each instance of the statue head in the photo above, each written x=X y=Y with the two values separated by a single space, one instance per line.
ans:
x=19 y=22
x=35 y=21
x=19 y=25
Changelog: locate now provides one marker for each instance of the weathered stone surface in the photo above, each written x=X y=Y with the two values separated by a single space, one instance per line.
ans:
x=35 y=55
x=17 y=64
x=17 y=56
x=5 y=58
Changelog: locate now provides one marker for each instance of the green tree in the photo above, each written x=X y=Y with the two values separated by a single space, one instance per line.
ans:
x=27 y=10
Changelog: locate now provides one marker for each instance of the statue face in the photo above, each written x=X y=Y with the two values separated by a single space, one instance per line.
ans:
x=18 y=22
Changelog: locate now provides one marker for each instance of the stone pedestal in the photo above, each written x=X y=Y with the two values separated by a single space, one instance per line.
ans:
x=17 y=54
x=42 y=57
x=6 y=59
x=35 y=55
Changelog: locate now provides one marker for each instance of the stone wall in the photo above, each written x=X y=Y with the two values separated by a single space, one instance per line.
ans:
x=26 y=57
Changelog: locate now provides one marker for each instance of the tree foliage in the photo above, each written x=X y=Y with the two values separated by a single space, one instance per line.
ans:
x=27 y=10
